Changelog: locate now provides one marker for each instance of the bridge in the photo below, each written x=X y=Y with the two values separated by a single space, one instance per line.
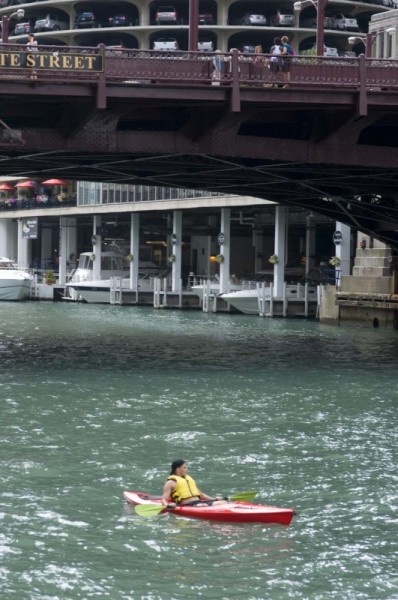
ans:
x=326 y=140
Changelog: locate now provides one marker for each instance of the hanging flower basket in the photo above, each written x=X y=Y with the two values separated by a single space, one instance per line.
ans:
x=92 y=257
x=219 y=258
x=273 y=259
x=129 y=258
x=335 y=261
x=171 y=258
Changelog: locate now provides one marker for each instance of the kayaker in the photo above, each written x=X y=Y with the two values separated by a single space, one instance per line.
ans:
x=182 y=489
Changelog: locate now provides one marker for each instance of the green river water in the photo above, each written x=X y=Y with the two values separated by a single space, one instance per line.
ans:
x=98 y=399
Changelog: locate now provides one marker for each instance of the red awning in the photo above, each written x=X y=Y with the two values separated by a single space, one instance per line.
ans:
x=26 y=184
x=55 y=182
x=6 y=186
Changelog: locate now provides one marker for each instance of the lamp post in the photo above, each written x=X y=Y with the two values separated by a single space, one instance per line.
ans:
x=5 y=23
x=193 y=25
x=369 y=39
x=320 y=6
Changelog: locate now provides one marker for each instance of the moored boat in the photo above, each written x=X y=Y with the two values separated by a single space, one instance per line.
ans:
x=232 y=512
x=15 y=284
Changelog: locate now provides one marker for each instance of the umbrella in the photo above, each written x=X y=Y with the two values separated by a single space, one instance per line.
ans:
x=26 y=184
x=55 y=182
x=6 y=186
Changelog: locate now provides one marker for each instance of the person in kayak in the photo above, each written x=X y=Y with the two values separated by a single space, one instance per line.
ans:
x=182 y=489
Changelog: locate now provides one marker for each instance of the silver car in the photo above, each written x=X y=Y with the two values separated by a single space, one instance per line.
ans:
x=282 y=18
x=249 y=19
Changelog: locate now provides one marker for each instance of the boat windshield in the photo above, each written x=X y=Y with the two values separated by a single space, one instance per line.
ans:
x=6 y=264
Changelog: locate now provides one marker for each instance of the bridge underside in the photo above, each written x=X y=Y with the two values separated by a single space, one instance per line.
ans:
x=325 y=157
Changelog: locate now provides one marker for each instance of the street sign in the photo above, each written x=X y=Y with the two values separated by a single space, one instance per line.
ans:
x=337 y=238
x=221 y=239
x=173 y=239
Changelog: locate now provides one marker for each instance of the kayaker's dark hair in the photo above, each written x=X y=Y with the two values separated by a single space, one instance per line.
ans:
x=176 y=464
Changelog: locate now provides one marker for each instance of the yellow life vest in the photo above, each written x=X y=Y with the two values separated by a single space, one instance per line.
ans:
x=185 y=488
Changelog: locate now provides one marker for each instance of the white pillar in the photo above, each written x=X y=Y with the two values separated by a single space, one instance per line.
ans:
x=134 y=249
x=8 y=235
x=176 y=241
x=97 y=246
x=225 y=248
x=63 y=249
x=23 y=248
x=279 y=250
x=343 y=250
x=310 y=244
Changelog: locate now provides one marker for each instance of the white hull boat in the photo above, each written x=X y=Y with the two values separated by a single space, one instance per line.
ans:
x=15 y=284
x=99 y=292
x=214 y=288
x=247 y=301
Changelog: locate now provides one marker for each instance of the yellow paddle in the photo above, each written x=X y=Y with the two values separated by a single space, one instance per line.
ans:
x=151 y=510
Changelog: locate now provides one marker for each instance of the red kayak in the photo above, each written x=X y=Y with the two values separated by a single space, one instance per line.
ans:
x=232 y=512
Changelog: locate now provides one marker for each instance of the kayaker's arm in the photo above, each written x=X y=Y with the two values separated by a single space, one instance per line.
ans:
x=168 y=489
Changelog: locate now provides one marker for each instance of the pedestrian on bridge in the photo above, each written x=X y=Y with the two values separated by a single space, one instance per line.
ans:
x=32 y=47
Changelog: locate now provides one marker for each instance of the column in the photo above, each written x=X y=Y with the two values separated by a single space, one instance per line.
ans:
x=343 y=249
x=176 y=241
x=134 y=249
x=224 y=240
x=279 y=250
x=310 y=244
x=97 y=247
x=23 y=248
x=67 y=247
x=8 y=239
x=63 y=250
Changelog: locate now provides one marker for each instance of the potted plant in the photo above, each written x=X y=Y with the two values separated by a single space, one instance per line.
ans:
x=171 y=258
x=273 y=259
x=129 y=258
x=219 y=258
x=49 y=277
x=92 y=257
x=335 y=261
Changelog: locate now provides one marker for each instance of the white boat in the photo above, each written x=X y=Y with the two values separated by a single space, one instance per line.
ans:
x=15 y=284
x=112 y=265
x=213 y=286
x=248 y=301
x=99 y=291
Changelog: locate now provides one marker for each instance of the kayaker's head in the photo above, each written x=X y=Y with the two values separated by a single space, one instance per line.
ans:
x=178 y=467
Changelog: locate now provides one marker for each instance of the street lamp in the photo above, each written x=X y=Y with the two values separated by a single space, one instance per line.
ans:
x=5 y=23
x=320 y=6
x=369 y=39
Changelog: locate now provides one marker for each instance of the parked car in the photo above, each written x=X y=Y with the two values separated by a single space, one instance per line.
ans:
x=345 y=23
x=87 y=20
x=119 y=21
x=166 y=44
x=205 y=46
x=3 y=3
x=248 y=49
x=166 y=15
x=22 y=28
x=330 y=51
x=310 y=22
x=206 y=19
x=50 y=22
x=249 y=19
x=282 y=18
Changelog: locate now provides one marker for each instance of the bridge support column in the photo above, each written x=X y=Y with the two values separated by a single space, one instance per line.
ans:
x=134 y=250
x=343 y=250
x=97 y=247
x=23 y=248
x=176 y=241
x=224 y=240
x=310 y=244
x=8 y=239
x=279 y=249
x=67 y=245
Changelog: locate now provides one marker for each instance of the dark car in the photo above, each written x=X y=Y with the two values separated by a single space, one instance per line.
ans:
x=206 y=19
x=119 y=21
x=22 y=28
x=87 y=20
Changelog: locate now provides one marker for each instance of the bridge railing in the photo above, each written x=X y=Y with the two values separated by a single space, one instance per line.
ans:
x=149 y=67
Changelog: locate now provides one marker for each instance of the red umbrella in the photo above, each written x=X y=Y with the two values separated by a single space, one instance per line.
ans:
x=26 y=184
x=55 y=182
x=6 y=186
